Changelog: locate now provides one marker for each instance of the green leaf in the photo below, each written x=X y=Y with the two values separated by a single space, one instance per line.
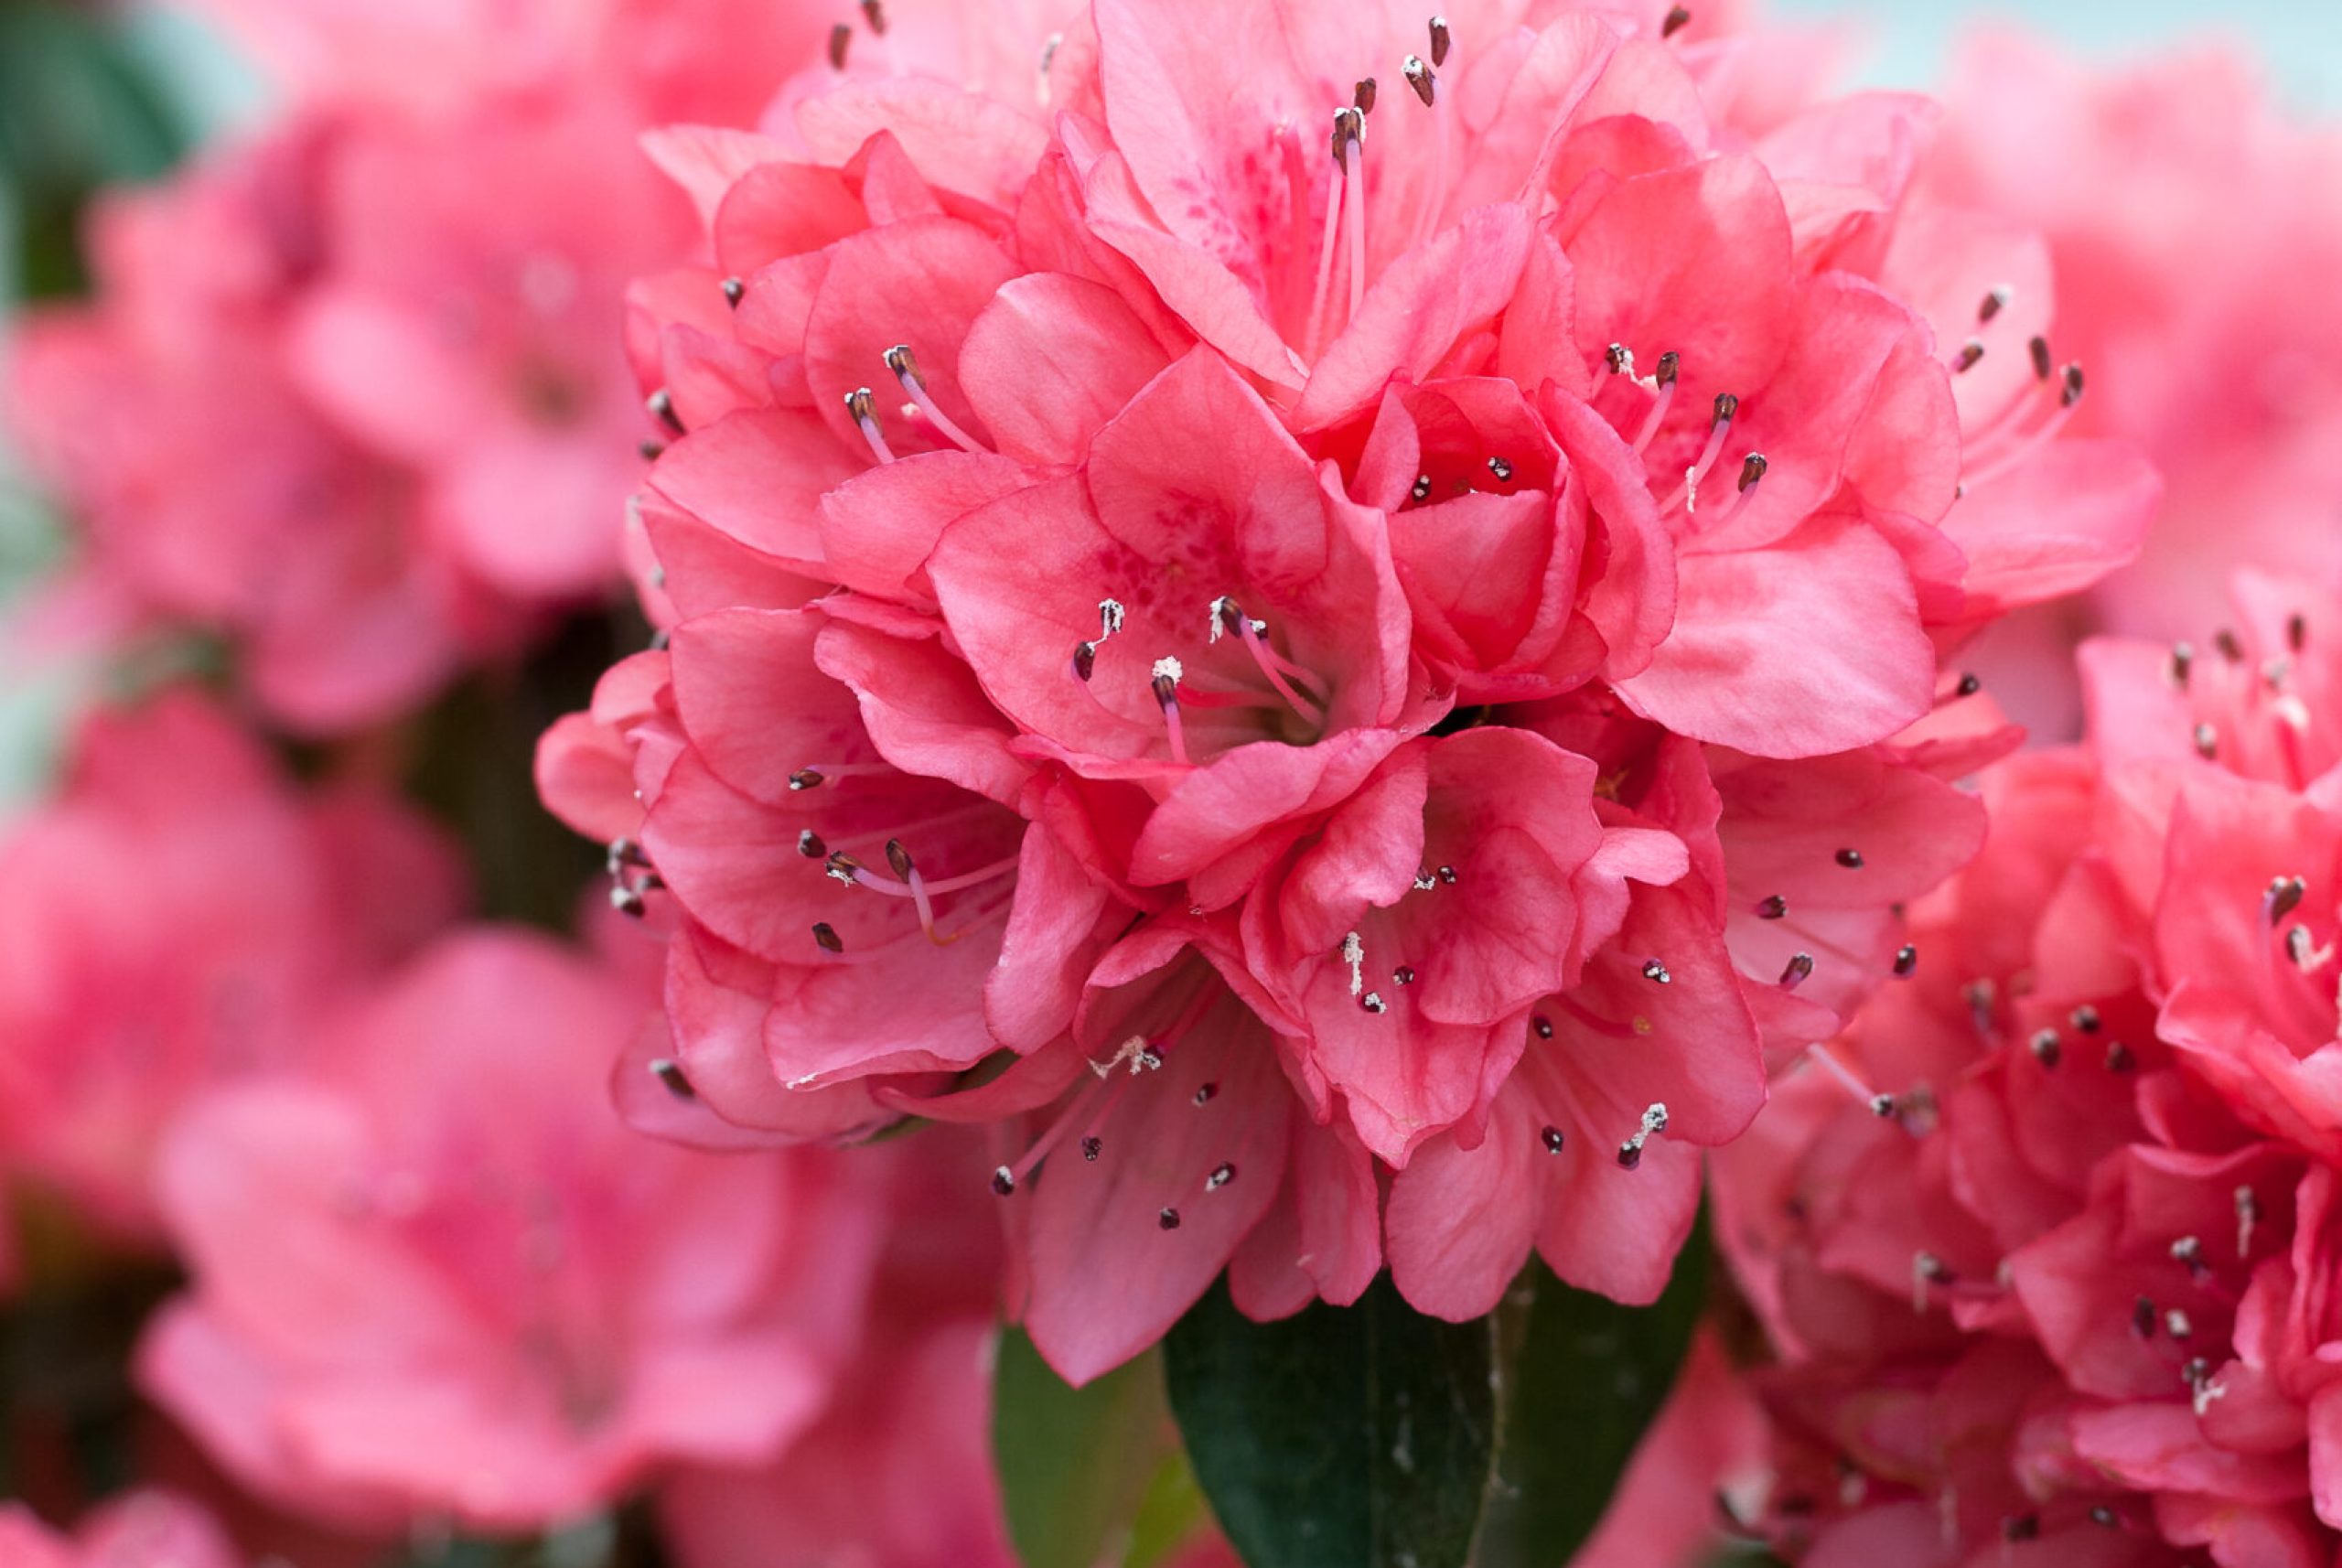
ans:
x=1361 y=1436
x=1074 y=1463
x=1589 y=1378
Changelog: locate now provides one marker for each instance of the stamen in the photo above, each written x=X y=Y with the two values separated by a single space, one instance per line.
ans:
x=1542 y=1027
x=1168 y=1220
x=1203 y=1095
x=2208 y=741
x=1773 y=907
x=2039 y=349
x=1970 y=353
x=1752 y=470
x=2183 y=659
x=1796 y=972
x=1165 y=682
x=1630 y=1152
x=875 y=15
x=860 y=406
x=1440 y=40
x=1994 y=303
x=1677 y=19
x=2085 y=1018
x=2144 y=1319
x=1862 y=1094
x=1926 y=1269
x=1092 y=1146
x=1687 y=495
x=840 y=37
x=2070 y=393
x=826 y=938
x=1553 y=1140
x=1665 y=378
x=2119 y=1059
x=906 y=369
x=1502 y=468
x=1851 y=859
x=2284 y=896
x=1657 y=974
x=1221 y=1176
x=2046 y=1047
x=1969 y=684
x=734 y=290
x=1085 y=660
x=1364 y=97
x=1906 y=959
x=670 y=1076
x=2297 y=631
x=661 y=405
x=1352 y=154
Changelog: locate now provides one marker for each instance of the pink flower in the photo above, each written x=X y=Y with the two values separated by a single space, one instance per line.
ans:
x=433 y=1275
x=180 y=917
x=898 y=1472
x=149 y=1530
x=1342 y=664
x=2045 y=1237
x=2136 y=180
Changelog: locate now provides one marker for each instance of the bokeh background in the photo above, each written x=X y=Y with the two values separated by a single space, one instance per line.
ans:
x=91 y=92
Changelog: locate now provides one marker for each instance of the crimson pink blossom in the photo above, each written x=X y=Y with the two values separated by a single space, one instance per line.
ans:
x=434 y=1276
x=181 y=916
x=2047 y=1238
x=1356 y=606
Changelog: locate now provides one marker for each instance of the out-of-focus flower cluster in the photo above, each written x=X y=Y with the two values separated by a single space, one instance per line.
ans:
x=1359 y=604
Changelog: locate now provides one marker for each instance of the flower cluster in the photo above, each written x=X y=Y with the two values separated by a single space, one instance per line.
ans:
x=1357 y=604
x=2047 y=1239
x=351 y=395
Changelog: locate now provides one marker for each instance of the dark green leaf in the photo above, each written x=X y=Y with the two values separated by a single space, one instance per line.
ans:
x=1359 y=1436
x=1074 y=1463
x=1589 y=1377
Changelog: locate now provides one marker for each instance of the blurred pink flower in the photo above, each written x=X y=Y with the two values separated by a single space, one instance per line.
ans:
x=149 y=1530
x=2140 y=181
x=434 y=1276
x=1357 y=662
x=180 y=917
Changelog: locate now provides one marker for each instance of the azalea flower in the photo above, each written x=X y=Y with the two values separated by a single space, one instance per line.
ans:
x=1309 y=647
x=2043 y=1239
x=182 y=918
x=433 y=1276
x=2134 y=178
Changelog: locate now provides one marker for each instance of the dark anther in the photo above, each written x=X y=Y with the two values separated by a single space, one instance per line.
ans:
x=826 y=938
x=1205 y=1092
x=805 y=779
x=2047 y=1049
x=1421 y=490
x=1419 y=77
x=1085 y=660
x=840 y=37
x=898 y=859
x=1542 y=1025
x=1657 y=971
x=2085 y=1018
x=734 y=289
x=1881 y=1106
x=841 y=866
x=1678 y=19
x=1970 y=353
x=1631 y=1154
x=811 y=845
x=1970 y=684
x=2143 y=1318
x=1553 y=1136
x=875 y=15
x=2225 y=640
x=1448 y=875
x=1752 y=469
x=1404 y=975
x=1168 y=1220
x=2284 y=896
x=1502 y=468
x=2183 y=659
x=1994 y=303
x=670 y=1074
x=2103 y=1516
x=1004 y=1181
x=2072 y=392
x=2208 y=741
x=1773 y=907
x=1851 y=859
x=1440 y=40
x=1090 y=1147
x=1726 y=406
x=2042 y=366
x=651 y=451
x=1166 y=690
x=1671 y=365
x=2119 y=1057
x=1906 y=959
x=2020 y=1527
x=661 y=405
x=1795 y=972
x=1365 y=96
x=1221 y=1177
x=2297 y=631
x=1618 y=358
